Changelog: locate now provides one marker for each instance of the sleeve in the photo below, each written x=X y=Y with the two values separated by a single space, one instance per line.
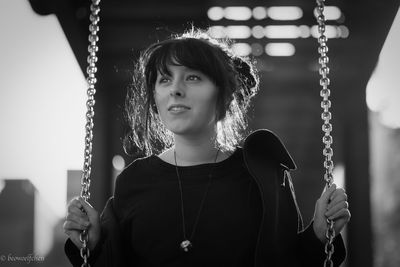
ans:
x=312 y=251
x=74 y=256
x=109 y=251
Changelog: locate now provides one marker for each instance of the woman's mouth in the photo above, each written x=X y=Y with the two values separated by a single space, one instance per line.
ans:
x=178 y=108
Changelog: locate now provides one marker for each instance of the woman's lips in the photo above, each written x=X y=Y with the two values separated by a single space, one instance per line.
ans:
x=178 y=108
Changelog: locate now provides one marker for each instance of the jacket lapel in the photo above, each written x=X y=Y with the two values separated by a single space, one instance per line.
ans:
x=265 y=157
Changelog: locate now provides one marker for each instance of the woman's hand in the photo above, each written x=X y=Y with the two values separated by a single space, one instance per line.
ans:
x=332 y=205
x=81 y=215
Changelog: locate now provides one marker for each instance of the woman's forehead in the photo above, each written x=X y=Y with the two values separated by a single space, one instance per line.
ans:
x=176 y=68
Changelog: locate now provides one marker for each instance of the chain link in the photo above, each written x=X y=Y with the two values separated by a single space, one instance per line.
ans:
x=91 y=80
x=326 y=116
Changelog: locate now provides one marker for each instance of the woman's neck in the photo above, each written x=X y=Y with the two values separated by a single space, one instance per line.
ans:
x=194 y=151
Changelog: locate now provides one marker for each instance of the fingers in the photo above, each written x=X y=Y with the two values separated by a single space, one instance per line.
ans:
x=337 y=196
x=80 y=220
x=327 y=194
x=90 y=211
x=77 y=218
x=332 y=205
x=334 y=210
x=72 y=225
x=75 y=209
x=341 y=214
x=86 y=205
x=338 y=207
x=75 y=203
x=338 y=200
x=82 y=216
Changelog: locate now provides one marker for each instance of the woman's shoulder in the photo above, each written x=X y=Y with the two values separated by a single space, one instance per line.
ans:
x=138 y=168
x=137 y=164
x=266 y=144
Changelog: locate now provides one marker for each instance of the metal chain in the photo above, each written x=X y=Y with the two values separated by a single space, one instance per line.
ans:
x=91 y=79
x=326 y=116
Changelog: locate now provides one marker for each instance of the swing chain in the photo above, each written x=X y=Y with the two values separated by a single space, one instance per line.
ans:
x=326 y=116
x=91 y=80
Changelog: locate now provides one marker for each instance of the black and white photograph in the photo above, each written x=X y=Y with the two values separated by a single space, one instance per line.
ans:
x=199 y=133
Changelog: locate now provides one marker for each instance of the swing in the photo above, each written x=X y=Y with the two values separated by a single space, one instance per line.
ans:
x=326 y=116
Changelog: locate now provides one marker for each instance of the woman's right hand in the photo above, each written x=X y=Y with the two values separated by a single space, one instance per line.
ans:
x=80 y=216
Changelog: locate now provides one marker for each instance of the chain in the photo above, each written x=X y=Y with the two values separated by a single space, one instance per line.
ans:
x=91 y=79
x=326 y=116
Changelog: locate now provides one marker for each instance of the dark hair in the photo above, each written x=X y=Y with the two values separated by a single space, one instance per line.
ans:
x=234 y=76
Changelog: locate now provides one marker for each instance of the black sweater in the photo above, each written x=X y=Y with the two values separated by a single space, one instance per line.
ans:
x=142 y=223
x=148 y=206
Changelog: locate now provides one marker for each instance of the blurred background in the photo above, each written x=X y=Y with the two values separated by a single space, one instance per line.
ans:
x=43 y=53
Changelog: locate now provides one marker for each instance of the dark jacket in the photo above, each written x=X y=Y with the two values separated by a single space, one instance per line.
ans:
x=282 y=240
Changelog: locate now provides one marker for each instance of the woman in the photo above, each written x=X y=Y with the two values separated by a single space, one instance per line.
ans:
x=201 y=196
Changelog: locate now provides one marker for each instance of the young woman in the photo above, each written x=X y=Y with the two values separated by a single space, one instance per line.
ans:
x=202 y=195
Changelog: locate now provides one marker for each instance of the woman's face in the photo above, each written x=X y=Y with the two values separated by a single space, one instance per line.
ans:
x=186 y=101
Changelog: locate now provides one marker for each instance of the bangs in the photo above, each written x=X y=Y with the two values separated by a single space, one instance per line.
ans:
x=191 y=53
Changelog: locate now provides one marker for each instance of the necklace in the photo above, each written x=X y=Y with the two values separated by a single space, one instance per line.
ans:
x=186 y=244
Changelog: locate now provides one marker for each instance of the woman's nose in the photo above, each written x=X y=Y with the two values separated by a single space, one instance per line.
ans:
x=177 y=89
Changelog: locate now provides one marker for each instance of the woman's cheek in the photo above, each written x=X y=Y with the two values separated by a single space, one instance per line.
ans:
x=158 y=99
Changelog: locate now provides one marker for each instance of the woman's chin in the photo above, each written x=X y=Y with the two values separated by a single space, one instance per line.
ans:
x=181 y=131
x=184 y=129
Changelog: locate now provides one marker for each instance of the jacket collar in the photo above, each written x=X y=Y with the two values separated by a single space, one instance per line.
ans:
x=264 y=143
x=265 y=157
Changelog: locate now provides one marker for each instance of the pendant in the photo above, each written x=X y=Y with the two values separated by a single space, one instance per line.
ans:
x=185 y=245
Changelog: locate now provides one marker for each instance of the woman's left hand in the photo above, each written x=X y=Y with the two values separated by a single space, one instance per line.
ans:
x=332 y=205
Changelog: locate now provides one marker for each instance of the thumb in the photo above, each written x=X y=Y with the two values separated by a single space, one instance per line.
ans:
x=327 y=193
x=319 y=225
x=90 y=211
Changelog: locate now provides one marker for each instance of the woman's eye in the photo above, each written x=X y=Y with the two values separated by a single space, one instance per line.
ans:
x=163 y=80
x=193 y=78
